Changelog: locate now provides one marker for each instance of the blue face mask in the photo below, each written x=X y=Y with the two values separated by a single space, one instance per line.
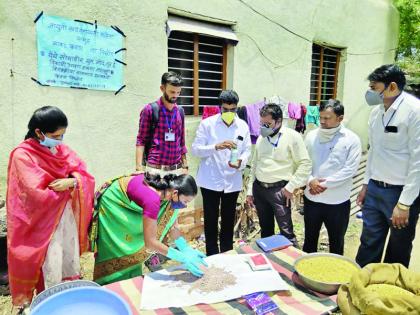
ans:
x=178 y=204
x=50 y=143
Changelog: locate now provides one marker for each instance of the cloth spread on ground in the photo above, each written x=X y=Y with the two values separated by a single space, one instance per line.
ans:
x=120 y=249
x=354 y=298
x=34 y=210
x=299 y=300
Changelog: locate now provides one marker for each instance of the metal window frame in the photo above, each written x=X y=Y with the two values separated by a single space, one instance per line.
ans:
x=196 y=71
x=323 y=81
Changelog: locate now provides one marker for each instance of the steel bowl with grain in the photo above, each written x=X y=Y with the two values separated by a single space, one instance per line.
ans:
x=327 y=287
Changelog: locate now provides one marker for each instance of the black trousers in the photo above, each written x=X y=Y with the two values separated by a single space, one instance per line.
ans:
x=336 y=220
x=270 y=204
x=212 y=202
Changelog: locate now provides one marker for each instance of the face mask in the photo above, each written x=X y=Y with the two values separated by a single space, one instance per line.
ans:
x=374 y=98
x=326 y=135
x=268 y=131
x=178 y=204
x=228 y=117
x=50 y=143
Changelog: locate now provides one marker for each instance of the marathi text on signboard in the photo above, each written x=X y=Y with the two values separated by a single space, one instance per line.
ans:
x=76 y=54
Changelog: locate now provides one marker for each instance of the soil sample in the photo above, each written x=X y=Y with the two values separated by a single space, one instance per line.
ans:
x=214 y=279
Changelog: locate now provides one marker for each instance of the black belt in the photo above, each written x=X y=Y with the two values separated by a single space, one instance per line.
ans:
x=385 y=185
x=281 y=183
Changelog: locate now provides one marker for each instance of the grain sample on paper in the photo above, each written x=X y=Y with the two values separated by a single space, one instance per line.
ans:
x=214 y=279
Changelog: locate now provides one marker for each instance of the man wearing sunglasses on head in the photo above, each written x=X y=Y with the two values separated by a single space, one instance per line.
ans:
x=224 y=145
x=280 y=165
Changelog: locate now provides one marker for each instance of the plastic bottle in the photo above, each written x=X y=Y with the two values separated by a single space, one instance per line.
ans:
x=234 y=154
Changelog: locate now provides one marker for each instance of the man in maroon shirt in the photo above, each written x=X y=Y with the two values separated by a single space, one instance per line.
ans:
x=166 y=143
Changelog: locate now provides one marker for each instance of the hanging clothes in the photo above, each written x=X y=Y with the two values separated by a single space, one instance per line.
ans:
x=209 y=111
x=301 y=123
x=282 y=103
x=312 y=115
x=294 y=110
x=253 y=117
x=242 y=113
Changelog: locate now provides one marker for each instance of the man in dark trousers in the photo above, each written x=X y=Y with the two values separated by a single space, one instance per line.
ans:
x=335 y=152
x=391 y=188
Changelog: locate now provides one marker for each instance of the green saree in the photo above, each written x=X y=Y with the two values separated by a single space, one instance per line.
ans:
x=117 y=232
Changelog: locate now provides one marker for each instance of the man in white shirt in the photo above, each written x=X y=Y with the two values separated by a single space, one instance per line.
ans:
x=218 y=139
x=335 y=152
x=280 y=165
x=391 y=188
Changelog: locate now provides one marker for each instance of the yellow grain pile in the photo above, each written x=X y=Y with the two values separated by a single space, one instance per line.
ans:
x=326 y=269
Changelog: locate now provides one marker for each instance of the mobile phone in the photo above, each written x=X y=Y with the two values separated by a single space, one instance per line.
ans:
x=393 y=129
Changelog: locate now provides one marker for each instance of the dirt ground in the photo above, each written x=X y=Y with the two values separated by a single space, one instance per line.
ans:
x=351 y=246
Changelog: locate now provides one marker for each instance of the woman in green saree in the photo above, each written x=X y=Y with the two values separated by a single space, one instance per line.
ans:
x=132 y=216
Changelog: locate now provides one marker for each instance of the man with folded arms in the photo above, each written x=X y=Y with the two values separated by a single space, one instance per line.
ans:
x=335 y=152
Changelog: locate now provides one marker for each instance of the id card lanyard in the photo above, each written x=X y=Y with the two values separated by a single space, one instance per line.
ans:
x=170 y=135
x=392 y=116
x=274 y=144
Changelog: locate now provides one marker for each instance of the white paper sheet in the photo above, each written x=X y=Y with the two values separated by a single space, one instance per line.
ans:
x=160 y=291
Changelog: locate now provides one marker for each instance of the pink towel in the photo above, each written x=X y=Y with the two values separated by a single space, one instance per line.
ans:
x=209 y=111
x=295 y=112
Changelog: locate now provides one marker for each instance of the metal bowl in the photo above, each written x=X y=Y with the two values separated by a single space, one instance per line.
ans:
x=323 y=287
x=59 y=288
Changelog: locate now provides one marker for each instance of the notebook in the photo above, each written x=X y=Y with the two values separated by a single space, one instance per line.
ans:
x=274 y=242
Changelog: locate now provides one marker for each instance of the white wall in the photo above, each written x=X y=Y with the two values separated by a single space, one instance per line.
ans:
x=103 y=127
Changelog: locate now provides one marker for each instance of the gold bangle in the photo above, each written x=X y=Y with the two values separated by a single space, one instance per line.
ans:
x=403 y=207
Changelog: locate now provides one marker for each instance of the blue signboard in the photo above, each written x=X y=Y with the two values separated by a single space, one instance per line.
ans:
x=78 y=54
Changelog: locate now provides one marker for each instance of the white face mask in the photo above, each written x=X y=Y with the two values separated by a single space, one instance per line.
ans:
x=326 y=135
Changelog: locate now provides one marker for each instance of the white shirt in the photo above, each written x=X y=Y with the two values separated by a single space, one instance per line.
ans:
x=394 y=158
x=335 y=161
x=214 y=172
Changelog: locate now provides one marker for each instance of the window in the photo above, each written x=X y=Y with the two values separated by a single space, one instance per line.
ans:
x=324 y=74
x=201 y=61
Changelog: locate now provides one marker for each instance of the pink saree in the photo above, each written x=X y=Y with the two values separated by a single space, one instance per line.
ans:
x=34 y=210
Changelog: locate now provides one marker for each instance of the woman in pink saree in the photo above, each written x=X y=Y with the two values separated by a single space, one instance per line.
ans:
x=49 y=208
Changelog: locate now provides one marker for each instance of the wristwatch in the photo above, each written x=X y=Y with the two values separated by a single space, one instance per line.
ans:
x=403 y=207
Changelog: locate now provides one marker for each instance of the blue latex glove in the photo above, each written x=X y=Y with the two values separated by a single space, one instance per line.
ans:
x=183 y=246
x=189 y=259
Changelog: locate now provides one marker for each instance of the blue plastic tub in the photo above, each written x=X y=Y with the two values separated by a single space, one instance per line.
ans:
x=83 y=301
